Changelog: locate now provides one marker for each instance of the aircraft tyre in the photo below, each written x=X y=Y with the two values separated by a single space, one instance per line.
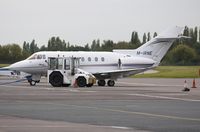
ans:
x=101 y=82
x=32 y=83
x=81 y=81
x=111 y=83
x=56 y=79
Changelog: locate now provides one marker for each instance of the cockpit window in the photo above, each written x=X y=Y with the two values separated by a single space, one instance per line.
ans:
x=32 y=57
x=36 y=56
x=39 y=56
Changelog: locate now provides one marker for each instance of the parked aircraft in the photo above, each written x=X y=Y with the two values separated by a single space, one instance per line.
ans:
x=104 y=65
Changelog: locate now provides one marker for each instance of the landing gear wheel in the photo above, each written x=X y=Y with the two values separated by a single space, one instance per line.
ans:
x=81 y=81
x=32 y=83
x=111 y=83
x=101 y=82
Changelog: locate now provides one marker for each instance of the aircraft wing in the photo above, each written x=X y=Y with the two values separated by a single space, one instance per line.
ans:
x=114 y=74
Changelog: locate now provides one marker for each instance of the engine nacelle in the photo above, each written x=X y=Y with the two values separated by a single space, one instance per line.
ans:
x=136 y=62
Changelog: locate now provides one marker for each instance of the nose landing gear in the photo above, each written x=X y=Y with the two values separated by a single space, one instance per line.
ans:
x=33 y=79
x=32 y=83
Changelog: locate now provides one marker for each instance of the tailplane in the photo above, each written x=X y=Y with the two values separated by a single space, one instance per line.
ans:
x=157 y=47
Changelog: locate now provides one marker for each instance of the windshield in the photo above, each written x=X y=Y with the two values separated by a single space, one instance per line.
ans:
x=36 y=56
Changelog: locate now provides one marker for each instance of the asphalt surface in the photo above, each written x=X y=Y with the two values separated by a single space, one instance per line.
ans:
x=141 y=105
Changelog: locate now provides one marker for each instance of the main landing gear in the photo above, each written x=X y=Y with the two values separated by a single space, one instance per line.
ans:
x=110 y=83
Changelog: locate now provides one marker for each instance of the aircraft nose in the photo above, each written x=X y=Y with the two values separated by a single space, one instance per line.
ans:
x=17 y=65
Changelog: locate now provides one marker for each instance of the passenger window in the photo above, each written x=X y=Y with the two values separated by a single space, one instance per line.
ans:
x=102 y=59
x=96 y=58
x=89 y=58
x=44 y=56
x=82 y=59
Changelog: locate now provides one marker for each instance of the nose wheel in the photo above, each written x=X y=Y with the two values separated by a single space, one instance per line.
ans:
x=32 y=83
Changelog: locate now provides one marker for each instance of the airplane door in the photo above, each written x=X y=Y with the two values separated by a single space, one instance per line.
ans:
x=119 y=63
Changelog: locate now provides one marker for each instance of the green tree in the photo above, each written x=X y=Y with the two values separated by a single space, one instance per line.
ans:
x=76 y=48
x=123 y=45
x=33 y=47
x=186 y=32
x=96 y=45
x=183 y=55
x=5 y=50
x=192 y=40
x=26 y=50
x=15 y=52
x=26 y=46
x=107 y=45
x=1 y=55
x=10 y=53
x=195 y=34
x=148 y=36
x=43 y=48
x=135 y=39
x=56 y=44
x=199 y=35
x=93 y=46
x=144 y=39
x=155 y=34
x=87 y=48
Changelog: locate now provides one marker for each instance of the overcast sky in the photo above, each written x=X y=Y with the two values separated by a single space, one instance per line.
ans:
x=81 y=21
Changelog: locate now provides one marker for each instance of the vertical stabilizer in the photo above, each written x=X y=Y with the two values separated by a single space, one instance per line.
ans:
x=157 y=47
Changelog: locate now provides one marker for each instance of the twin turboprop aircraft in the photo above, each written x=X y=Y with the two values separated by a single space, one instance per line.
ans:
x=104 y=65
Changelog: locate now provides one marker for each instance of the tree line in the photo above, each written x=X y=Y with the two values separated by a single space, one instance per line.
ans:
x=183 y=52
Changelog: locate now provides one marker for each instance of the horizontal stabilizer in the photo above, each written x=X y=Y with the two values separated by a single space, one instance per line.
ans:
x=173 y=32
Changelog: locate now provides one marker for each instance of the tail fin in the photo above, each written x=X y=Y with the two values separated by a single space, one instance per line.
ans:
x=157 y=47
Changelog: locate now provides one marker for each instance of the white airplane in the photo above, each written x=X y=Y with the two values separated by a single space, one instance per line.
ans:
x=104 y=65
